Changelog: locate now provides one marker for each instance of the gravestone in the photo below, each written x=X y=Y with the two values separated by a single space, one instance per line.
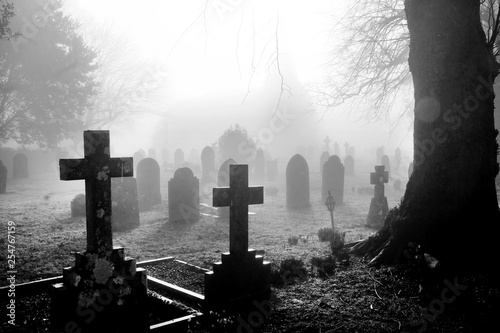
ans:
x=297 y=183
x=20 y=166
x=259 y=166
x=310 y=154
x=378 y=205
x=178 y=158
x=272 y=169
x=148 y=183
x=397 y=157
x=208 y=166
x=183 y=197
x=333 y=180
x=164 y=159
x=78 y=206
x=351 y=150
x=410 y=170
x=222 y=181
x=3 y=178
x=336 y=149
x=386 y=162
x=349 y=165
x=152 y=153
x=380 y=153
x=322 y=159
x=241 y=277
x=125 y=202
x=138 y=156
x=103 y=291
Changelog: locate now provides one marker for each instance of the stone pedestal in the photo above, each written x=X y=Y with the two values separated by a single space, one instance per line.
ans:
x=237 y=281
x=101 y=295
x=377 y=213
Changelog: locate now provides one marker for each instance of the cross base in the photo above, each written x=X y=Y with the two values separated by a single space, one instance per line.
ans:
x=377 y=213
x=96 y=298
x=237 y=281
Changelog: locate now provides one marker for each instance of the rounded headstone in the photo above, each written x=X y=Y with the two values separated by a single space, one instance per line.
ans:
x=183 y=196
x=333 y=179
x=208 y=165
x=297 y=183
x=322 y=159
x=148 y=182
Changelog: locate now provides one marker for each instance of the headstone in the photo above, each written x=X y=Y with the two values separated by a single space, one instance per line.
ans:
x=222 y=181
x=138 y=156
x=410 y=170
x=349 y=165
x=272 y=169
x=125 y=204
x=259 y=166
x=241 y=277
x=20 y=166
x=3 y=178
x=327 y=141
x=101 y=265
x=183 y=197
x=208 y=174
x=148 y=183
x=346 y=149
x=378 y=206
x=78 y=206
x=380 y=153
x=178 y=158
x=165 y=157
x=385 y=162
x=152 y=153
x=310 y=154
x=322 y=159
x=333 y=180
x=397 y=157
x=336 y=149
x=351 y=150
x=297 y=183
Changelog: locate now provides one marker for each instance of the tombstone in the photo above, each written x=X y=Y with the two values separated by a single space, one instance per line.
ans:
x=223 y=180
x=183 y=196
x=77 y=206
x=123 y=307
x=178 y=158
x=385 y=162
x=297 y=183
x=148 y=183
x=333 y=180
x=397 y=157
x=310 y=154
x=410 y=170
x=272 y=169
x=346 y=149
x=208 y=166
x=351 y=150
x=20 y=166
x=380 y=153
x=241 y=277
x=349 y=165
x=259 y=166
x=3 y=178
x=152 y=153
x=336 y=149
x=125 y=203
x=164 y=159
x=378 y=205
x=138 y=156
x=322 y=159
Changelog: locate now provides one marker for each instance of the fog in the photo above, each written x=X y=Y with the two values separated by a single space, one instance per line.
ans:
x=210 y=65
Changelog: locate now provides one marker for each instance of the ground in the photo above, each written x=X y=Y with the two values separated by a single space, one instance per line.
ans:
x=352 y=298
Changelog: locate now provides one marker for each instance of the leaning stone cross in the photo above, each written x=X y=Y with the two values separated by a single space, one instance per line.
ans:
x=97 y=168
x=378 y=178
x=378 y=206
x=238 y=196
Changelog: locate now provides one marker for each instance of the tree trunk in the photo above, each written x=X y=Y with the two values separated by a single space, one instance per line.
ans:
x=450 y=205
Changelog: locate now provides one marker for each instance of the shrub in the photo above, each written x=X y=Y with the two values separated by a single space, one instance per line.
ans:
x=292 y=269
x=325 y=266
x=293 y=240
x=337 y=241
x=324 y=234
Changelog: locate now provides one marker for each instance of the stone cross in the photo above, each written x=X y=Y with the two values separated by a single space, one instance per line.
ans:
x=238 y=196
x=97 y=168
x=378 y=178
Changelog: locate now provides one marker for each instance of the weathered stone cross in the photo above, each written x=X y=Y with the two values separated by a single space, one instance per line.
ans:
x=378 y=178
x=238 y=196
x=97 y=168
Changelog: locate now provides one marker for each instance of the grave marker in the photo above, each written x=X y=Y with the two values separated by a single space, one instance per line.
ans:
x=178 y=158
x=378 y=206
x=336 y=149
x=3 y=178
x=223 y=180
x=208 y=166
x=322 y=159
x=333 y=179
x=349 y=165
x=297 y=183
x=125 y=204
x=387 y=163
x=183 y=197
x=20 y=166
x=148 y=183
x=379 y=153
x=260 y=166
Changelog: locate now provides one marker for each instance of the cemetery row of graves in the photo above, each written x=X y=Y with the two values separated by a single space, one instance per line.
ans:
x=164 y=263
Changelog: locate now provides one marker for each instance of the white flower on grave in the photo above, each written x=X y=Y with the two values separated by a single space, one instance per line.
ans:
x=118 y=280
x=102 y=270
x=120 y=302
x=125 y=291
x=103 y=175
x=100 y=213
x=76 y=279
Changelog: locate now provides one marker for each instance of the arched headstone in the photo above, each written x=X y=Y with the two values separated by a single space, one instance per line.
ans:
x=333 y=180
x=148 y=183
x=349 y=165
x=125 y=204
x=297 y=183
x=20 y=166
x=322 y=159
x=183 y=196
x=385 y=162
x=380 y=153
x=138 y=156
x=208 y=173
x=260 y=166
